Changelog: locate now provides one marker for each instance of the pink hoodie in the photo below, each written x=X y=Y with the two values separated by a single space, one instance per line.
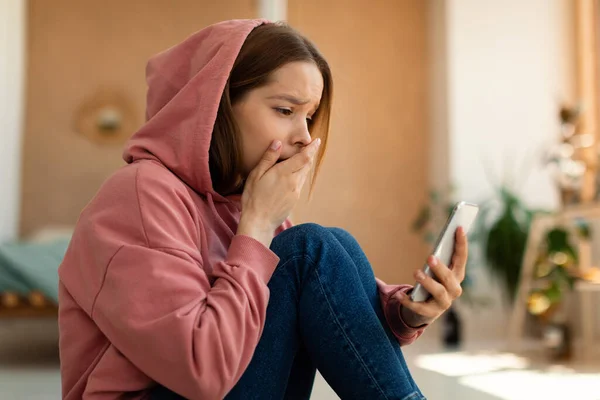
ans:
x=156 y=286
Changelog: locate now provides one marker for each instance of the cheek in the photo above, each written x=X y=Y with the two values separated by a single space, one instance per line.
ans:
x=258 y=133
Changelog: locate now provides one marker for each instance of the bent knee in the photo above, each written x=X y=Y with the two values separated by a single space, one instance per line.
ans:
x=341 y=233
x=307 y=230
x=302 y=235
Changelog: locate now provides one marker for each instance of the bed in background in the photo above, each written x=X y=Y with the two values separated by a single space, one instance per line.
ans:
x=28 y=274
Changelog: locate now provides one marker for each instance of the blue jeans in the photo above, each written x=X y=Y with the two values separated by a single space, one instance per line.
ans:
x=324 y=313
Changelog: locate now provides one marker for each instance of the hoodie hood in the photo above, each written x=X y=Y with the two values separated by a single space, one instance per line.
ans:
x=185 y=85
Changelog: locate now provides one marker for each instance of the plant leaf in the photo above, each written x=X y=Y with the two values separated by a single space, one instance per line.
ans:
x=422 y=219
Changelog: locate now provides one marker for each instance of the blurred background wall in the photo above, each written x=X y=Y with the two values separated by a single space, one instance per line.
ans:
x=374 y=178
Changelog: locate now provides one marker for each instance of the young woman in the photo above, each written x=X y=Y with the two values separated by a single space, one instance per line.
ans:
x=184 y=277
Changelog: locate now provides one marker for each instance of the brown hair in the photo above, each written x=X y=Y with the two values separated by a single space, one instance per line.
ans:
x=267 y=48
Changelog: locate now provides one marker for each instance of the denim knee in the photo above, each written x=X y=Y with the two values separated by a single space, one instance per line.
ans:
x=301 y=235
x=343 y=236
x=311 y=242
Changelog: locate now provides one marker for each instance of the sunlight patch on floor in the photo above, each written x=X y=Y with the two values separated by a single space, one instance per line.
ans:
x=527 y=385
x=507 y=376
x=468 y=363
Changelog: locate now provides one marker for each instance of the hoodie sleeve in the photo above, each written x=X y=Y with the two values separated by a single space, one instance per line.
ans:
x=391 y=307
x=157 y=306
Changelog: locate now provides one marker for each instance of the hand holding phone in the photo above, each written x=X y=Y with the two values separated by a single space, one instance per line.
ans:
x=463 y=215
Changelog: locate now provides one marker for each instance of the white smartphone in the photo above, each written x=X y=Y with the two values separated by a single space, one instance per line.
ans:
x=463 y=215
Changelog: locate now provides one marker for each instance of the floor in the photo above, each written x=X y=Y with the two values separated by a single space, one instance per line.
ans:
x=29 y=370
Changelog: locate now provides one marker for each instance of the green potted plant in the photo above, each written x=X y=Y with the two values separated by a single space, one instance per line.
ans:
x=555 y=270
x=501 y=230
x=555 y=273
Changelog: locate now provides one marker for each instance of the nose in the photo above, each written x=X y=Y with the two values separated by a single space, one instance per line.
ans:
x=301 y=136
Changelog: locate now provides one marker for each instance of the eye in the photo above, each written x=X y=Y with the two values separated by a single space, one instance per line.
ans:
x=284 y=111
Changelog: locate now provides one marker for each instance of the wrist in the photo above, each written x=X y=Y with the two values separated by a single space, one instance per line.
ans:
x=412 y=319
x=255 y=228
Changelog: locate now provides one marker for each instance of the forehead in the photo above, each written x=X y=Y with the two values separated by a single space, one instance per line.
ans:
x=302 y=79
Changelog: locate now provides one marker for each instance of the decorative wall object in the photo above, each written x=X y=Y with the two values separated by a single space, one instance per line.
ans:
x=106 y=118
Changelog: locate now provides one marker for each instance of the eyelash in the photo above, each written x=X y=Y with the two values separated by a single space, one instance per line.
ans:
x=287 y=113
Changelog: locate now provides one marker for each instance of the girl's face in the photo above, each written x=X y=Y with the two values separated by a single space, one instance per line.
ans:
x=280 y=110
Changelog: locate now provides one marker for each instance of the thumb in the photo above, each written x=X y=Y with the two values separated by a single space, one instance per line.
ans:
x=269 y=158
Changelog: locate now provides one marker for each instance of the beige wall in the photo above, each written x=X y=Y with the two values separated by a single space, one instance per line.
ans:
x=75 y=49
x=375 y=173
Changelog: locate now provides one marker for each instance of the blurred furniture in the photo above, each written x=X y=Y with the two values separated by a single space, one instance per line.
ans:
x=583 y=290
x=29 y=277
x=32 y=305
x=106 y=118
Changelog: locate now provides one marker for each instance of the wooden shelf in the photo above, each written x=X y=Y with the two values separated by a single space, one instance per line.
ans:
x=584 y=289
x=580 y=286
x=28 y=312
x=585 y=210
x=584 y=286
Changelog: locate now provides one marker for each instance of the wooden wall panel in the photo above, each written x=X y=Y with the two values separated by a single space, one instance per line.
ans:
x=375 y=173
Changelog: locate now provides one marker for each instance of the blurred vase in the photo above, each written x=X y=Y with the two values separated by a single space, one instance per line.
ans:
x=556 y=333
x=451 y=329
x=557 y=341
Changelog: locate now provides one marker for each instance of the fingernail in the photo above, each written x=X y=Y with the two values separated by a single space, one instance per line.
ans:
x=401 y=296
x=318 y=142
x=462 y=231
x=420 y=275
x=433 y=261
x=315 y=145
x=275 y=145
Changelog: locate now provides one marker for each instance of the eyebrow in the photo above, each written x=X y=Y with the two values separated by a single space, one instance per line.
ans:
x=291 y=99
